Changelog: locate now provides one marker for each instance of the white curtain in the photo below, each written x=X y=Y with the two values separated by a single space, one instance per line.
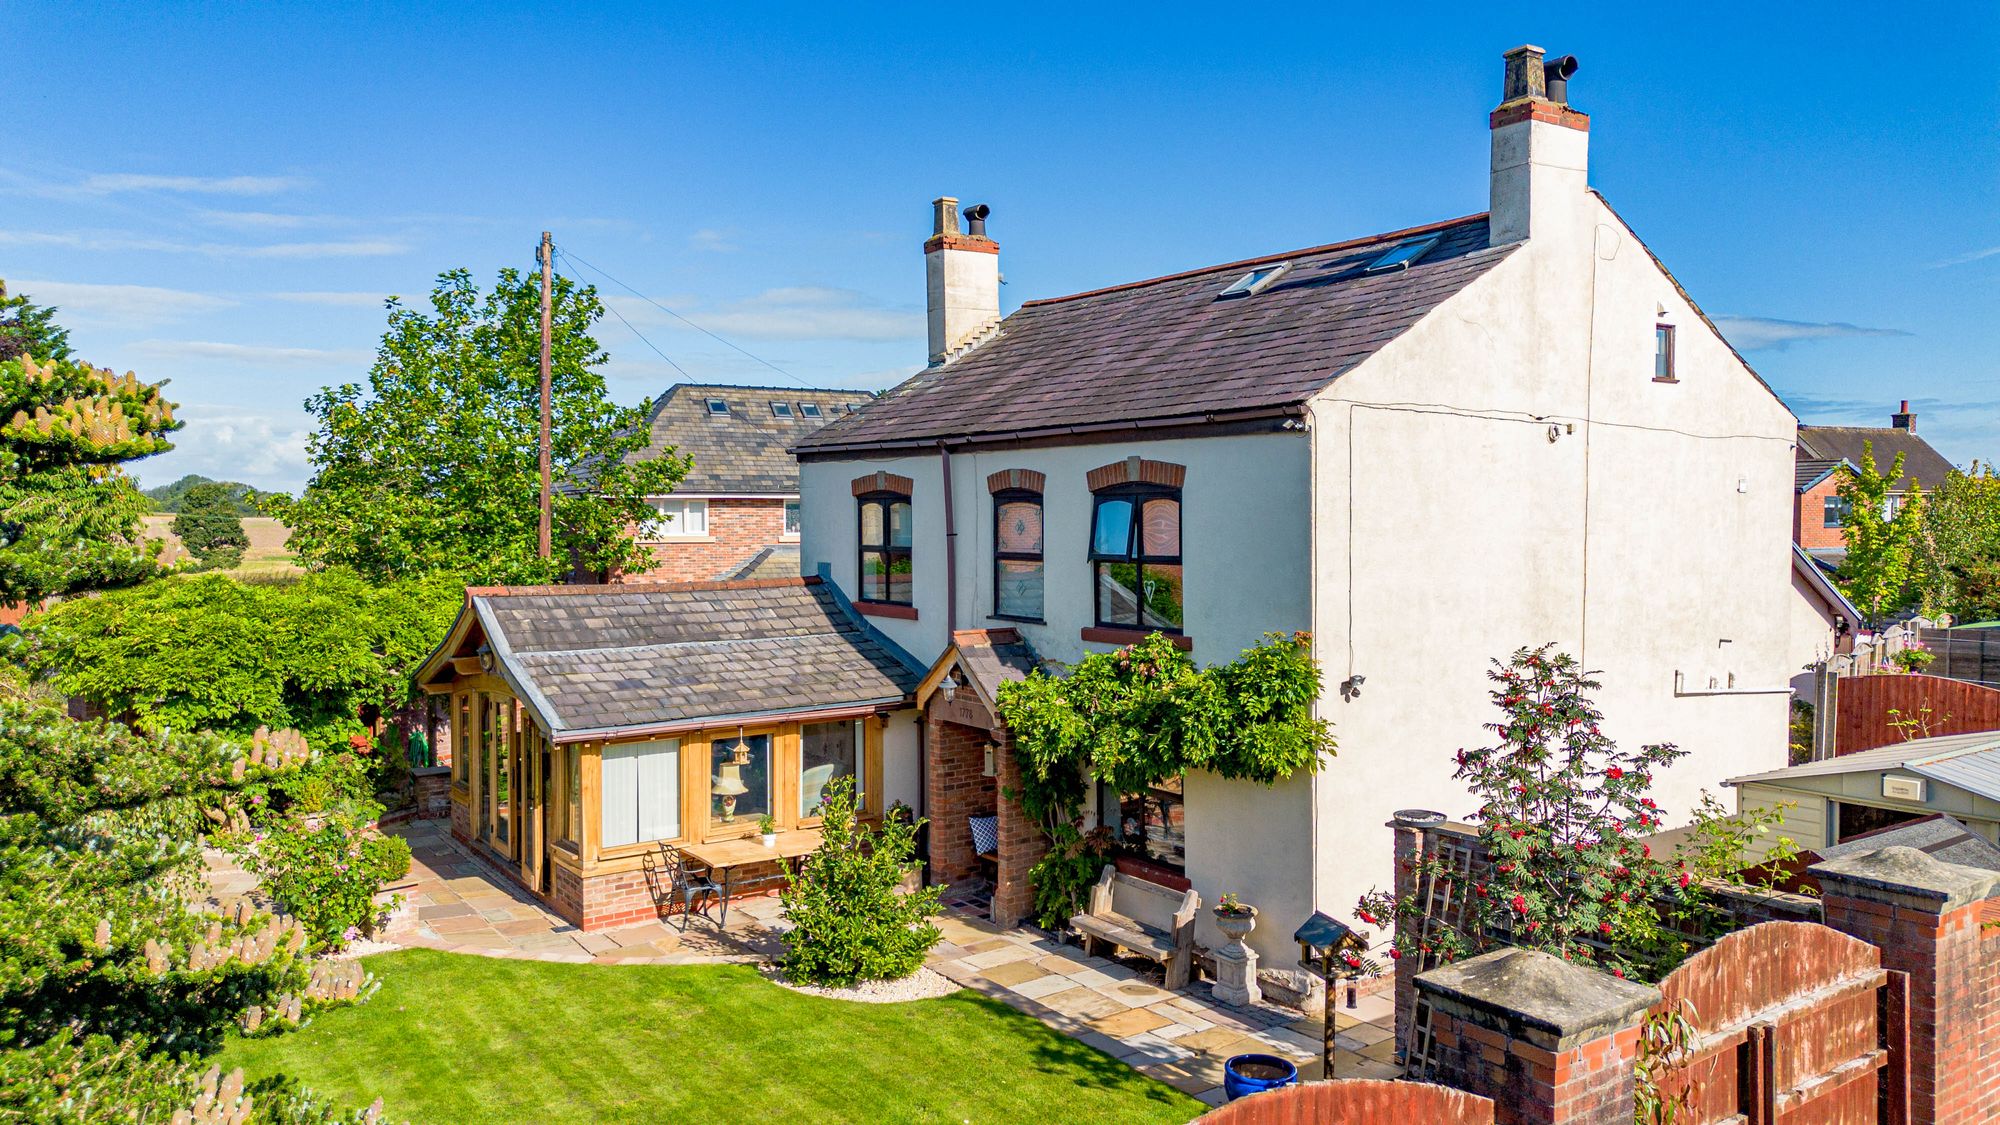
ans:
x=642 y=792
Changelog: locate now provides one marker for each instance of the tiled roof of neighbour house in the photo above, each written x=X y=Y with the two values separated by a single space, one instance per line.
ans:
x=1812 y=470
x=600 y=659
x=1921 y=463
x=1942 y=836
x=780 y=560
x=1172 y=350
x=748 y=449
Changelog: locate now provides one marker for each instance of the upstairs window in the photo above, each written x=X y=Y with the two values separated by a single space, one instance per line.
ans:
x=1017 y=554
x=1403 y=255
x=1836 y=512
x=1663 y=354
x=886 y=534
x=676 y=519
x=781 y=410
x=1135 y=557
x=791 y=519
x=809 y=410
x=718 y=407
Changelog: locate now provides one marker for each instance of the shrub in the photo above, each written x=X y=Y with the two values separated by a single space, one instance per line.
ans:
x=849 y=921
x=326 y=875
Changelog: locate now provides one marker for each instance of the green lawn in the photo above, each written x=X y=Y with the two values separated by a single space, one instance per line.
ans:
x=457 y=1038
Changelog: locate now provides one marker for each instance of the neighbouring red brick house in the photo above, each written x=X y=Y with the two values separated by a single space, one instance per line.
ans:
x=736 y=513
x=1827 y=453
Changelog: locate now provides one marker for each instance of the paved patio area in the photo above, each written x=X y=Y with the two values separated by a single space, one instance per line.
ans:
x=462 y=903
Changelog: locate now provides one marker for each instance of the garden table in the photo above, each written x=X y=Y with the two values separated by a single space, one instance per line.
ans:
x=725 y=856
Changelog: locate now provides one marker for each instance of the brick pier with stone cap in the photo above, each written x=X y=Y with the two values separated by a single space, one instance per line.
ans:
x=1547 y=1040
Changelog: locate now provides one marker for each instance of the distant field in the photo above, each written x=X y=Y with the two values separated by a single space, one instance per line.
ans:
x=267 y=553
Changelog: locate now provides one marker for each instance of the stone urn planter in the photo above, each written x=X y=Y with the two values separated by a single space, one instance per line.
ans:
x=1236 y=924
x=1236 y=963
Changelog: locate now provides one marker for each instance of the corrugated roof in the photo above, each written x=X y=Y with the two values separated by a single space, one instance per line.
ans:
x=1968 y=761
x=606 y=658
x=1172 y=349
x=1926 y=466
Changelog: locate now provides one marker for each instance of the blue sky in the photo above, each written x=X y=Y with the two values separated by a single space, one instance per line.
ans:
x=221 y=195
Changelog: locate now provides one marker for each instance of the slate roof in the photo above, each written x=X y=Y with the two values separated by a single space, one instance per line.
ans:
x=1171 y=350
x=747 y=451
x=1969 y=761
x=1811 y=470
x=605 y=658
x=1940 y=836
x=1844 y=443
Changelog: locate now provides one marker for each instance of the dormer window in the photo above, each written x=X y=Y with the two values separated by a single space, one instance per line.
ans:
x=1257 y=280
x=717 y=407
x=1403 y=255
x=809 y=410
x=781 y=410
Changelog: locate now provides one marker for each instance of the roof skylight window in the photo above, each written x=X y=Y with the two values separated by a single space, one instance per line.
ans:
x=809 y=410
x=853 y=408
x=1403 y=255
x=1257 y=280
x=781 y=409
x=717 y=406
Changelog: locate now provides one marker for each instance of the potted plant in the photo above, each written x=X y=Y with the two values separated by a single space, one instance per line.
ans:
x=767 y=827
x=1234 y=918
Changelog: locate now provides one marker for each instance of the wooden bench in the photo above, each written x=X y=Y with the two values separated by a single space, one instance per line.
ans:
x=1144 y=918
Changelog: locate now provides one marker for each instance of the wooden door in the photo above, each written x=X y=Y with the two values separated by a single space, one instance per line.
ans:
x=532 y=778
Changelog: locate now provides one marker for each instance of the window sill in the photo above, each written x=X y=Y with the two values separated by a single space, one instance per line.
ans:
x=887 y=609
x=1106 y=635
x=1665 y=379
x=1022 y=620
x=667 y=539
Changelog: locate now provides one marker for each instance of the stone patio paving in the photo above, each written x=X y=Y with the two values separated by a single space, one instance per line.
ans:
x=460 y=902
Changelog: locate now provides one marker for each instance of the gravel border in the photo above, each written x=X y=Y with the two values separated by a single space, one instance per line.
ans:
x=924 y=984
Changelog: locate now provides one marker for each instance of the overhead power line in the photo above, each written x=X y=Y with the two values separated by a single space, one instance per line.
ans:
x=641 y=335
x=732 y=345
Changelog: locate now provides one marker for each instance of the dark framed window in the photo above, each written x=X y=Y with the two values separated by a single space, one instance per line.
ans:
x=885 y=535
x=1135 y=557
x=1663 y=353
x=1017 y=554
x=1836 y=512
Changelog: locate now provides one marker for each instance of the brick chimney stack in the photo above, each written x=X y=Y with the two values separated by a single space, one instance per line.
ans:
x=1541 y=147
x=1904 y=419
x=962 y=276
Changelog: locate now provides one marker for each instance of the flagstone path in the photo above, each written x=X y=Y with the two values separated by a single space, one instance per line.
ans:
x=460 y=902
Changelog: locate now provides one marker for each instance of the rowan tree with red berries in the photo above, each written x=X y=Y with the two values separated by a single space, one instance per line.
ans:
x=1563 y=814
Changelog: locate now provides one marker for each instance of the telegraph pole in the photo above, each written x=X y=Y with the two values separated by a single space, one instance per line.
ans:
x=546 y=253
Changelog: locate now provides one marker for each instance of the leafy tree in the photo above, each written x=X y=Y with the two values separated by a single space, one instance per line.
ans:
x=244 y=499
x=850 y=921
x=29 y=329
x=1561 y=813
x=1881 y=548
x=210 y=652
x=210 y=528
x=1958 y=546
x=433 y=467
x=69 y=514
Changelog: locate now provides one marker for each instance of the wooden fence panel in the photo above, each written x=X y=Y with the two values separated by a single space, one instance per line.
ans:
x=1355 y=1101
x=1863 y=706
x=1964 y=654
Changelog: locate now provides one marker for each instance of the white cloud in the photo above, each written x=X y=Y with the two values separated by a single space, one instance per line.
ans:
x=211 y=350
x=799 y=312
x=1759 y=333
x=715 y=241
x=261 y=220
x=1962 y=259
x=115 y=241
x=118 y=306
x=106 y=183
x=335 y=299
x=229 y=443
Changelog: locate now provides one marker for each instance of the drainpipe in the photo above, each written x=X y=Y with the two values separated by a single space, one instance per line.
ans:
x=950 y=548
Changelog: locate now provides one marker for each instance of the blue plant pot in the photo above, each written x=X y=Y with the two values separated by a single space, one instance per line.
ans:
x=1248 y=1074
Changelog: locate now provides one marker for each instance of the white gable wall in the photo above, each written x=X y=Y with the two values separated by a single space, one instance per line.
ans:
x=1452 y=529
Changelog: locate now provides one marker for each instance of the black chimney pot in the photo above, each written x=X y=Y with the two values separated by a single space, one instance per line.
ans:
x=1556 y=74
x=976 y=219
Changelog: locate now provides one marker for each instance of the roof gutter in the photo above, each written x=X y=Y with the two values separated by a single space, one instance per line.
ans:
x=1211 y=418
x=688 y=726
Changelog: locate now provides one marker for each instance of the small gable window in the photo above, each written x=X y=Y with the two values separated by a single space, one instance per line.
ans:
x=1017 y=554
x=1257 y=280
x=809 y=410
x=781 y=410
x=886 y=535
x=1836 y=512
x=1663 y=354
x=718 y=407
x=1135 y=557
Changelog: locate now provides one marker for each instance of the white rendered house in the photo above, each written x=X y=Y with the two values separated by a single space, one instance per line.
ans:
x=1428 y=447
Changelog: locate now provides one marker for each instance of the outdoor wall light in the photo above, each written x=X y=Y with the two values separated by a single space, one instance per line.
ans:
x=1350 y=688
x=485 y=654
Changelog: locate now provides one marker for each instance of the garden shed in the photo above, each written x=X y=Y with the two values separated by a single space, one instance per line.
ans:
x=1841 y=798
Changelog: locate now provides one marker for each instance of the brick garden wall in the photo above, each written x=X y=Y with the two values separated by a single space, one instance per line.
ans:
x=737 y=530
